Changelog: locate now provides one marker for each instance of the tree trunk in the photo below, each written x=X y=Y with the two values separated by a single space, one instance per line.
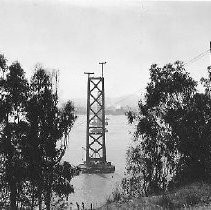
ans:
x=13 y=195
x=49 y=189
x=40 y=197
x=48 y=199
x=32 y=205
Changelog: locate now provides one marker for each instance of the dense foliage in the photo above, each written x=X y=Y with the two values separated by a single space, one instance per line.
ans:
x=33 y=138
x=172 y=144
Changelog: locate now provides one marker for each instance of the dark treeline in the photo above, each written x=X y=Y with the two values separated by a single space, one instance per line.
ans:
x=33 y=138
x=172 y=138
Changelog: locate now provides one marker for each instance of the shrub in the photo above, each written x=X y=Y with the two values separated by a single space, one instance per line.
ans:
x=165 y=201
x=192 y=199
x=115 y=196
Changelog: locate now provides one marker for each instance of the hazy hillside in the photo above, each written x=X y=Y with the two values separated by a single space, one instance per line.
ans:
x=122 y=101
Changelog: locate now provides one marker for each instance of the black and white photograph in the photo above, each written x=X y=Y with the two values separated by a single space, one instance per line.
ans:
x=105 y=105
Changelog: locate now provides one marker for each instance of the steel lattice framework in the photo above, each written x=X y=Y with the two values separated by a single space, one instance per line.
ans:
x=95 y=136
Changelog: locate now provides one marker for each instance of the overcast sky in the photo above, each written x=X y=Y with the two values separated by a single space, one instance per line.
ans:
x=74 y=36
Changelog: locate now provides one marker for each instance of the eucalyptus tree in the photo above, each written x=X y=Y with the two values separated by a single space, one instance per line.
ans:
x=33 y=137
x=14 y=89
x=193 y=131
x=49 y=127
x=3 y=69
x=156 y=155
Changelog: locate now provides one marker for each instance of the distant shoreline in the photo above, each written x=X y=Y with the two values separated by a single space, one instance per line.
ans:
x=108 y=111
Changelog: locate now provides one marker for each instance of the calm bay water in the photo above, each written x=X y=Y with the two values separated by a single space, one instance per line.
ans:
x=95 y=188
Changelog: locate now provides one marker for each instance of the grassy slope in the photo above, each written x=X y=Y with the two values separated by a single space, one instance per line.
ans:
x=194 y=196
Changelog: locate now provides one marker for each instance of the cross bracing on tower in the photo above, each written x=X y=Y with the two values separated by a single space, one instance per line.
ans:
x=95 y=148
x=95 y=134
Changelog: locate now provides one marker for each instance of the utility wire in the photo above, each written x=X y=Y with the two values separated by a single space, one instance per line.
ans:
x=194 y=59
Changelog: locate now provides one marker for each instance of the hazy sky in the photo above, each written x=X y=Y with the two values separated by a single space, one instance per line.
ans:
x=74 y=36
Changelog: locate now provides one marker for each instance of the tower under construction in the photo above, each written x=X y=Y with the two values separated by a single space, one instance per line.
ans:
x=96 y=127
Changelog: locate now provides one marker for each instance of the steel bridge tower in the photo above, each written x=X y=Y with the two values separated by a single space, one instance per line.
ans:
x=95 y=133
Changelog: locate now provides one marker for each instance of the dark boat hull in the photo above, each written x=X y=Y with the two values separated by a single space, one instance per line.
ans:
x=97 y=169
